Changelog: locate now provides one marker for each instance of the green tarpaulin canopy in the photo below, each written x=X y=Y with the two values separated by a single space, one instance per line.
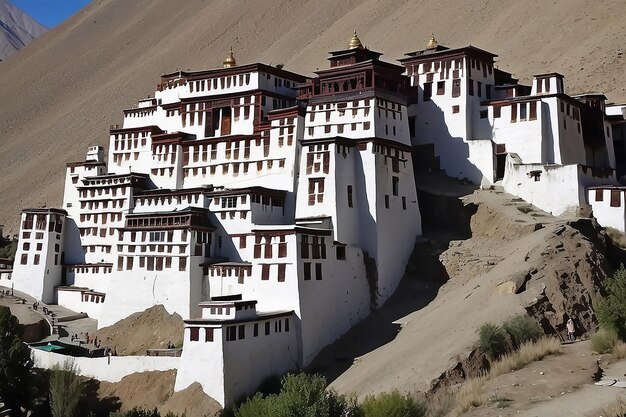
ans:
x=49 y=348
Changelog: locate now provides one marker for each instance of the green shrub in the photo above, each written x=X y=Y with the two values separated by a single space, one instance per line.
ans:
x=522 y=329
x=392 y=404
x=492 y=340
x=611 y=311
x=66 y=389
x=301 y=395
x=603 y=341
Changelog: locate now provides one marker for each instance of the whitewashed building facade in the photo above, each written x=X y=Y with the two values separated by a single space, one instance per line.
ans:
x=272 y=211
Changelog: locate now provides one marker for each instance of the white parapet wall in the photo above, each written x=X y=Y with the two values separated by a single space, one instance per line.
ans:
x=107 y=369
x=556 y=189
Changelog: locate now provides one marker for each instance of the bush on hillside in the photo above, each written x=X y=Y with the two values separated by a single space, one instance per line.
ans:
x=67 y=389
x=301 y=395
x=611 y=311
x=492 y=340
x=522 y=329
x=603 y=341
x=15 y=363
x=392 y=404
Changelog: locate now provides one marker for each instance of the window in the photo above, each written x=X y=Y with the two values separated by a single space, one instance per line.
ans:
x=394 y=184
x=428 y=91
x=513 y=113
x=496 y=112
x=318 y=271
x=182 y=264
x=522 y=111
x=36 y=260
x=194 y=334
x=229 y=202
x=456 y=88
x=208 y=334
x=242 y=242
x=599 y=195
x=286 y=325
x=349 y=196
x=316 y=190
x=26 y=246
x=403 y=203
x=242 y=331
x=265 y=272
x=281 y=272
x=470 y=87
x=341 y=252
x=456 y=109
x=306 y=267
x=157 y=237
x=267 y=328
x=533 y=111
x=24 y=259
x=231 y=333
x=484 y=114
x=386 y=201
x=615 y=198
x=441 y=88
x=255 y=331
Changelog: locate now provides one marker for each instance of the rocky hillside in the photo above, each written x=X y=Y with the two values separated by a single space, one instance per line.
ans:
x=17 y=29
x=518 y=260
x=63 y=93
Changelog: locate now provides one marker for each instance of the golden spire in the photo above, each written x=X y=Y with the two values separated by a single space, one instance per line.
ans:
x=230 y=59
x=355 y=42
x=432 y=43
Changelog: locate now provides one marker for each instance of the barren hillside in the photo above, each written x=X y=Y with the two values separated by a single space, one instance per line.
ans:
x=17 y=29
x=517 y=261
x=63 y=92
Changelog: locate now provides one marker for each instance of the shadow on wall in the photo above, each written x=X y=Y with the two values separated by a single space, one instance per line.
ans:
x=419 y=286
x=436 y=147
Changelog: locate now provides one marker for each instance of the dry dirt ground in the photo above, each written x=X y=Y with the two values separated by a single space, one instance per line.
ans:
x=61 y=93
x=515 y=260
x=558 y=386
x=153 y=328
x=148 y=390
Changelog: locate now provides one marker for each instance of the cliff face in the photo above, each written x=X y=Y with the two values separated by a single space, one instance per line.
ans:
x=17 y=29
x=62 y=93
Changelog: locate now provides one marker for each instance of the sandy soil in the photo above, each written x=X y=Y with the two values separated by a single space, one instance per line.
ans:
x=153 y=328
x=148 y=390
x=559 y=385
x=427 y=329
x=61 y=93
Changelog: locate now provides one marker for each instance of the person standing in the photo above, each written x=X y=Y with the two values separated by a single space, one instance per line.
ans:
x=570 y=330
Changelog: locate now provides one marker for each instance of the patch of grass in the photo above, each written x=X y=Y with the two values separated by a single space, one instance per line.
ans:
x=471 y=394
x=392 y=404
x=502 y=402
x=527 y=353
x=620 y=409
x=603 y=341
x=619 y=350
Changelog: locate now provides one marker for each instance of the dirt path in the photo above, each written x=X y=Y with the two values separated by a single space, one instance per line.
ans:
x=560 y=385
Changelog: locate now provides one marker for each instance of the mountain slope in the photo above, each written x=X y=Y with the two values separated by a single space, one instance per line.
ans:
x=17 y=29
x=63 y=93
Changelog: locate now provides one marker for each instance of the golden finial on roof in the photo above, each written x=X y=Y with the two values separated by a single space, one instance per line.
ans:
x=432 y=43
x=355 y=42
x=230 y=59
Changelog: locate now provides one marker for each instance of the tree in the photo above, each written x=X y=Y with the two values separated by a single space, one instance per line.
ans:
x=611 y=311
x=66 y=390
x=15 y=363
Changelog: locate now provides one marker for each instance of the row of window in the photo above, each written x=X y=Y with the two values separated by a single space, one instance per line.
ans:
x=615 y=197
x=130 y=144
x=219 y=83
x=38 y=235
x=236 y=167
x=151 y=263
x=340 y=127
x=103 y=204
x=163 y=200
x=239 y=332
x=100 y=191
x=36 y=259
